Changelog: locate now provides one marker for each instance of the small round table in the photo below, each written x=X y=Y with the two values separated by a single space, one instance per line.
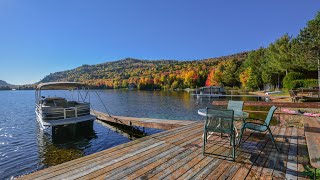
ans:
x=238 y=115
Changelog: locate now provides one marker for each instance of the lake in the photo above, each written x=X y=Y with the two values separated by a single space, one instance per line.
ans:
x=25 y=148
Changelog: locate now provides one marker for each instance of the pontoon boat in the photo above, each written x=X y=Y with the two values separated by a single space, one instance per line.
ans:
x=55 y=111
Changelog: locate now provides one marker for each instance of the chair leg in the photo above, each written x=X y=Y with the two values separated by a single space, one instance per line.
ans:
x=204 y=142
x=241 y=133
x=206 y=137
x=234 y=146
x=273 y=141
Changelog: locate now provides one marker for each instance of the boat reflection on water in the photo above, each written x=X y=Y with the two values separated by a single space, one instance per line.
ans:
x=73 y=132
x=64 y=143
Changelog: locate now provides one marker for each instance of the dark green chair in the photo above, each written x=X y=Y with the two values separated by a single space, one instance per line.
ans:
x=235 y=105
x=260 y=127
x=220 y=121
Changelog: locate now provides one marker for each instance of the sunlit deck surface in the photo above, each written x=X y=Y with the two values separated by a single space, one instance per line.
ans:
x=177 y=154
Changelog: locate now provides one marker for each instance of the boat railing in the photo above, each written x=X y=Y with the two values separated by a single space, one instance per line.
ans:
x=54 y=113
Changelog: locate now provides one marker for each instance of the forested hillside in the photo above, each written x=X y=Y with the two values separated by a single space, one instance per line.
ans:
x=289 y=62
x=146 y=74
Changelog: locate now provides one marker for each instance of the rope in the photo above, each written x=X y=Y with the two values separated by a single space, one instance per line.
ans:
x=102 y=103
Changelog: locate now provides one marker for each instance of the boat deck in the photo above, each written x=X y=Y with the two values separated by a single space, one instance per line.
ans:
x=177 y=154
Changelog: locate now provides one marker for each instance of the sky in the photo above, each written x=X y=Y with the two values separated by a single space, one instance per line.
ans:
x=41 y=37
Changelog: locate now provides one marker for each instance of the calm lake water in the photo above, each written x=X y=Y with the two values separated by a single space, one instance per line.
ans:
x=24 y=148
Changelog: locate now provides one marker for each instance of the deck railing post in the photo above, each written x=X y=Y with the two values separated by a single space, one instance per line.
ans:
x=64 y=114
x=76 y=111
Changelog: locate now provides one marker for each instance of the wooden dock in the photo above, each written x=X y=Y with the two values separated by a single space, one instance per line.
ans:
x=177 y=154
x=163 y=124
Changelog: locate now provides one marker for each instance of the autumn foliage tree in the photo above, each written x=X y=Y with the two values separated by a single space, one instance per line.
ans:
x=212 y=79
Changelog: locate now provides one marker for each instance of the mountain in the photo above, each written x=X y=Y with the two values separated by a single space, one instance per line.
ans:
x=144 y=74
x=4 y=83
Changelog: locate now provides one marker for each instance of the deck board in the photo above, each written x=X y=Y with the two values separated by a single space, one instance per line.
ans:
x=155 y=155
x=302 y=155
x=312 y=130
x=250 y=151
x=251 y=156
x=262 y=160
x=277 y=161
x=292 y=165
x=177 y=154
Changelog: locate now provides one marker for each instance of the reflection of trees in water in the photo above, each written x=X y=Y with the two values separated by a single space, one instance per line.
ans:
x=64 y=144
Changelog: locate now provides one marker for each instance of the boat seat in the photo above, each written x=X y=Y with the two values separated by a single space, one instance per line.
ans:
x=61 y=102
x=48 y=102
x=72 y=103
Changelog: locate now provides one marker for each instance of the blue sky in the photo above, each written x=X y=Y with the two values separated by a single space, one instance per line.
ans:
x=41 y=37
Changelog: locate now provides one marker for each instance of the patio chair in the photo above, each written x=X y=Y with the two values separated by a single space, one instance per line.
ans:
x=235 y=105
x=220 y=121
x=261 y=127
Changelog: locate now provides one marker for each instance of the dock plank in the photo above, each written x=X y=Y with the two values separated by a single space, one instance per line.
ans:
x=141 y=161
x=155 y=170
x=171 y=139
x=292 y=163
x=144 y=171
x=251 y=154
x=302 y=155
x=277 y=161
x=262 y=160
x=199 y=162
x=312 y=133
x=264 y=153
x=212 y=169
x=179 y=164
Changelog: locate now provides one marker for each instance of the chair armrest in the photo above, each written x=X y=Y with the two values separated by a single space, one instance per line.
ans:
x=245 y=119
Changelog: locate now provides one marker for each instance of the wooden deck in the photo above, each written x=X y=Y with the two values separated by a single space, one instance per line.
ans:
x=177 y=154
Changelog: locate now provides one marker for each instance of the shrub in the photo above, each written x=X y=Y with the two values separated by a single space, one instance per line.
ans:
x=308 y=83
x=289 y=78
x=304 y=83
x=296 y=84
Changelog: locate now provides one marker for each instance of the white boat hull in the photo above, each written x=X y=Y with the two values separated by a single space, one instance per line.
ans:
x=59 y=122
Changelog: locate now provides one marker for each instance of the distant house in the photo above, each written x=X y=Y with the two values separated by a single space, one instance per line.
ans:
x=210 y=90
x=132 y=86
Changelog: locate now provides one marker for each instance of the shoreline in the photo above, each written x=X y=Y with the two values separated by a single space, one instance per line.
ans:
x=274 y=98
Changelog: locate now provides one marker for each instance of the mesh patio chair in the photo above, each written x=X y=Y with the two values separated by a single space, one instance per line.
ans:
x=220 y=121
x=260 y=127
x=235 y=105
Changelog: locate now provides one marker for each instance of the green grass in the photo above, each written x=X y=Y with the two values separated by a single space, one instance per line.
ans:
x=309 y=171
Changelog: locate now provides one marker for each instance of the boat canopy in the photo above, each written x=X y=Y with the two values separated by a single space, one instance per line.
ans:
x=60 y=86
